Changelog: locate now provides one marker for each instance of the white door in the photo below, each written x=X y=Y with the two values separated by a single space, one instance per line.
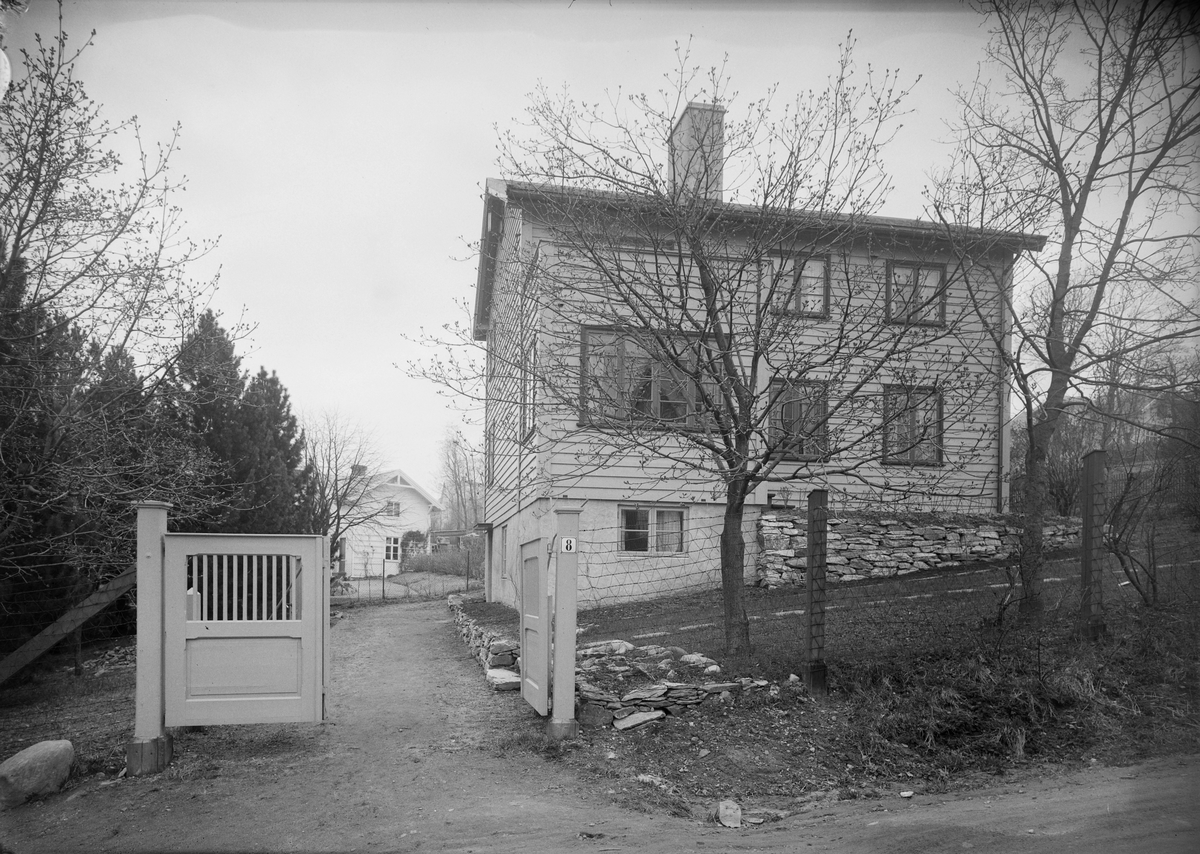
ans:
x=535 y=629
x=246 y=620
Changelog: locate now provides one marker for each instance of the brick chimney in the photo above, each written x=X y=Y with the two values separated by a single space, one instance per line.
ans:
x=697 y=151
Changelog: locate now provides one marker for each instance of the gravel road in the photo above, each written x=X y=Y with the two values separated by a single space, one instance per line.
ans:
x=408 y=761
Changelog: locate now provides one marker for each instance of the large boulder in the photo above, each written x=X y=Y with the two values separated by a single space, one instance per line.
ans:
x=37 y=770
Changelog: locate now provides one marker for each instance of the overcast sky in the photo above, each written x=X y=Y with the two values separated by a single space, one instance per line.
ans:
x=338 y=150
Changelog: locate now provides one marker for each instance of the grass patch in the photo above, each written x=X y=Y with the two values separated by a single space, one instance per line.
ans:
x=94 y=712
x=495 y=616
x=537 y=742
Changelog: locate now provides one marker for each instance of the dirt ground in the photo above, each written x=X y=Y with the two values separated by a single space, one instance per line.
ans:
x=417 y=755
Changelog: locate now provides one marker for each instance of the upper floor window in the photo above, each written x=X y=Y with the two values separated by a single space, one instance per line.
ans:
x=798 y=420
x=651 y=529
x=805 y=278
x=912 y=425
x=916 y=293
x=391 y=508
x=527 y=404
x=623 y=382
x=489 y=456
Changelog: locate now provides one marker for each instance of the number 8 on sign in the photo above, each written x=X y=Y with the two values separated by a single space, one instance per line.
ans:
x=568 y=545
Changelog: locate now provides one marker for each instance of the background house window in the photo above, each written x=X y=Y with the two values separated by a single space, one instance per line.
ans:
x=916 y=293
x=650 y=529
x=912 y=425
x=391 y=508
x=623 y=382
x=798 y=420
x=391 y=548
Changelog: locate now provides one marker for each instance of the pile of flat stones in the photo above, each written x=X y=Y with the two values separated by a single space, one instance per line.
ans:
x=648 y=703
x=501 y=659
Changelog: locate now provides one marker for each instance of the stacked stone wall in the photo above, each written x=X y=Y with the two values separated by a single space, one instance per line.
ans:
x=876 y=546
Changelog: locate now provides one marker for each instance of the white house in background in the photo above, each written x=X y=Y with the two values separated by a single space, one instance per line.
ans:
x=400 y=505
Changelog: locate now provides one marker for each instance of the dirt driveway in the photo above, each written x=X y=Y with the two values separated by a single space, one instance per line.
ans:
x=409 y=762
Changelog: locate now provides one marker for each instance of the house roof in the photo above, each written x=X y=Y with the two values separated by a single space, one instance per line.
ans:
x=397 y=477
x=499 y=193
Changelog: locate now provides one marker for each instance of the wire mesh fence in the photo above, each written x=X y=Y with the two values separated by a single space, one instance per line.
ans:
x=31 y=602
x=671 y=598
x=63 y=676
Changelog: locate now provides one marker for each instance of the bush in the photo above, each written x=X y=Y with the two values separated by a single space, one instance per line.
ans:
x=449 y=562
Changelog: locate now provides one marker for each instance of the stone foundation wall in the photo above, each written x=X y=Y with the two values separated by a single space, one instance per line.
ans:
x=875 y=546
x=499 y=656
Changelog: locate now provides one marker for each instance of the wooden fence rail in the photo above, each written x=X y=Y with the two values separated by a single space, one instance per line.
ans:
x=47 y=638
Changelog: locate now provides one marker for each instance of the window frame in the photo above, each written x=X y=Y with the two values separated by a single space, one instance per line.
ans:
x=626 y=382
x=527 y=391
x=504 y=551
x=775 y=425
x=489 y=457
x=389 y=507
x=391 y=548
x=793 y=265
x=653 y=532
x=908 y=316
x=909 y=456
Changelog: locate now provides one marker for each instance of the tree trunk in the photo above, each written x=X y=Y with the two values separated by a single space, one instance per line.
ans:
x=733 y=555
x=1032 y=556
x=1036 y=498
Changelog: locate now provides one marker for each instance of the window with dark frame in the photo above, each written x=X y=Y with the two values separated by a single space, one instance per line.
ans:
x=651 y=529
x=916 y=293
x=489 y=457
x=528 y=392
x=810 y=279
x=806 y=280
x=504 y=551
x=798 y=420
x=623 y=382
x=912 y=425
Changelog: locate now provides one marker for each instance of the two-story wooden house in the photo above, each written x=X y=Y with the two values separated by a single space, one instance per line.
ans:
x=658 y=356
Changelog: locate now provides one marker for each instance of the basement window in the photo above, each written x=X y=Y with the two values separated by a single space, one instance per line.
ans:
x=651 y=529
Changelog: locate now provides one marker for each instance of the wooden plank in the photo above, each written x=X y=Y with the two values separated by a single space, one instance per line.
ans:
x=44 y=641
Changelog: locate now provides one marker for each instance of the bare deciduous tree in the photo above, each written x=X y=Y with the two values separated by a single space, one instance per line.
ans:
x=1088 y=132
x=462 y=482
x=95 y=303
x=342 y=468
x=733 y=306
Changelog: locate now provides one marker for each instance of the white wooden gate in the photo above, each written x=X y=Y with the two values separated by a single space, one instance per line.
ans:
x=535 y=629
x=246 y=621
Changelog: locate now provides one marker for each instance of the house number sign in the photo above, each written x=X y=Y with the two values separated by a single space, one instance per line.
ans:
x=568 y=545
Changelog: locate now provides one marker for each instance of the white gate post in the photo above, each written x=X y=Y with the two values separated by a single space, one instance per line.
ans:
x=149 y=751
x=562 y=722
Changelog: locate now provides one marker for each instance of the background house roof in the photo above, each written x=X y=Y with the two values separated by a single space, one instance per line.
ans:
x=397 y=477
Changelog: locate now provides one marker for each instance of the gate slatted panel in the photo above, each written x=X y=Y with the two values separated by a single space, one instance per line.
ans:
x=251 y=588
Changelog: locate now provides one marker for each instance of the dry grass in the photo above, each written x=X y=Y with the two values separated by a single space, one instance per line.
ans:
x=928 y=686
x=94 y=712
